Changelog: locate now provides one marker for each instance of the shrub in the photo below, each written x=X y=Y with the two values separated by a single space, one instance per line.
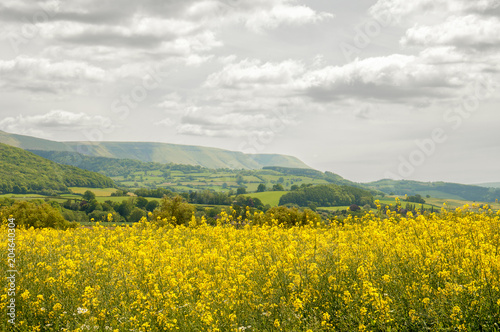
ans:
x=31 y=214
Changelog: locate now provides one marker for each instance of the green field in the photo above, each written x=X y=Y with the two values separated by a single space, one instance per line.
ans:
x=333 y=208
x=96 y=191
x=269 y=197
x=390 y=200
x=455 y=203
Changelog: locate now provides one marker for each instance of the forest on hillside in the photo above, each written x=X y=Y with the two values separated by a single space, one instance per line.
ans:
x=22 y=172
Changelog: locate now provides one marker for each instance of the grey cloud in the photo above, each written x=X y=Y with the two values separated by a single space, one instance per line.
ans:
x=113 y=39
x=55 y=120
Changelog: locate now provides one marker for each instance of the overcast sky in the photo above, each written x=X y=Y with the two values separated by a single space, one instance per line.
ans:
x=365 y=89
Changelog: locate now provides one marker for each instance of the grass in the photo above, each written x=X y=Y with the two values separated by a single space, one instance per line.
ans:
x=333 y=208
x=269 y=197
x=456 y=203
x=22 y=196
x=96 y=191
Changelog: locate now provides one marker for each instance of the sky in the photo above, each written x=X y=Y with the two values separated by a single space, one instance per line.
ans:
x=365 y=89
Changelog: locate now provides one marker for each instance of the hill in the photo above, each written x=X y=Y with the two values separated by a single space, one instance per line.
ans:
x=158 y=152
x=128 y=173
x=22 y=172
x=436 y=189
x=489 y=185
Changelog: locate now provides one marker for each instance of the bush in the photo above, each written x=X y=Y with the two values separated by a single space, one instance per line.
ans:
x=174 y=210
x=282 y=215
x=31 y=214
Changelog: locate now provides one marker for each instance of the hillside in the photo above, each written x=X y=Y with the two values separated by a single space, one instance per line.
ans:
x=23 y=172
x=158 y=152
x=129 y=173
x=489 y=185
x=436 y=189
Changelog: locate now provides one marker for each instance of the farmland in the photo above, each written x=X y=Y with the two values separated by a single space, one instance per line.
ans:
x=379 y=272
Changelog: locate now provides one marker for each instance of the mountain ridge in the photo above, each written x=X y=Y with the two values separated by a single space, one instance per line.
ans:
x=208 y=157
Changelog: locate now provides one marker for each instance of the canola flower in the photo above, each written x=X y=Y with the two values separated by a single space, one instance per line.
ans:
x=439 y=272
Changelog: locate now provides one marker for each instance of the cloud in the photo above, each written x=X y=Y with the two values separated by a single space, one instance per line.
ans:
x=253 y=72
x=44 y=75
x=463 y=31
x=391 y=78
x=56 y=120
x=266 y=19
x=217 y=122
x=433 y=73
x=402 y=8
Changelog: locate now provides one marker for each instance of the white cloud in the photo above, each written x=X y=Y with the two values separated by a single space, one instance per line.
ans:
x=395 y=78
x=218 y=122
x=402 y=8
x=433 y=73
x=44 y=75
x=253 y=72
x=150 y=29
x=462 y=31
x=55 y=120
x=265 y=19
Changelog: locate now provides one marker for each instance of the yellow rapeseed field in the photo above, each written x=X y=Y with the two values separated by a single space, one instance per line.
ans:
x=381 y=272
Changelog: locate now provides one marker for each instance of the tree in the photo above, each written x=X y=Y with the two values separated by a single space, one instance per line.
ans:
x=152 y=205
x=241 y=191
x=174 y=207
x=354 y=208
x=136 y=215
x=31 y=214
x=261 y=188
x=278 y=187
x=141 y=202
x=88 y=195
x=125 y=208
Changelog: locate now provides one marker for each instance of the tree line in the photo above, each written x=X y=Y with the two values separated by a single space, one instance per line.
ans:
x=327 y=195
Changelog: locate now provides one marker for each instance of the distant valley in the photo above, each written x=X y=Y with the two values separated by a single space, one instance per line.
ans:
x=181 y=168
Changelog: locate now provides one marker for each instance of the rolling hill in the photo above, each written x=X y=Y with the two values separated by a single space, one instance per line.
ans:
x=436 y=189
x=157 y=152
x=22 y=172
x=489 y=185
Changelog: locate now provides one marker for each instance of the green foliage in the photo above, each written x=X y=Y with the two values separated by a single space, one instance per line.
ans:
x=208 y=197
x=278 y=187
x=136 y=215
x=242 y=202
x=23 y=172
x=415 y=199
x=437 y=189
x=141 y=202
x=261 y=188
x=35 y=214
x=282 y=215
x=158 y=192
x=173 y=208
x=119 y=193
x=327 y=195
x=88 y=195
x=152 y=205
